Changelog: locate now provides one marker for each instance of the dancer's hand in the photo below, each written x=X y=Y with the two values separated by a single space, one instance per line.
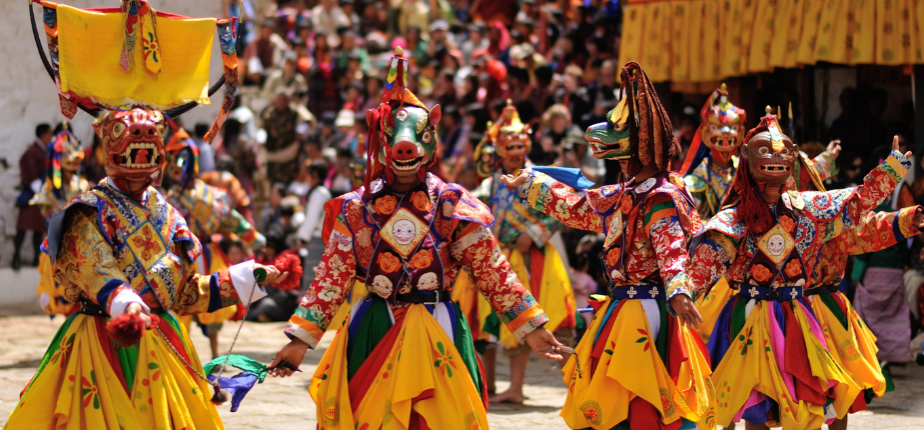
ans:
x=273 y=275
x=293 y=353
x=919 y=218
x=834 y=148
x=135 y=308
x=514 y=182
x=895 y=146
x=542 y=342
x=524 y=244
x=686 y=311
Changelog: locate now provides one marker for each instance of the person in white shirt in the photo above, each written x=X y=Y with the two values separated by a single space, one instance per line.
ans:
x=326 y=18
x=309 y=233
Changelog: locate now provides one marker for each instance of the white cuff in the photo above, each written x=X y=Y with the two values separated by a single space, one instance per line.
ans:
x=536 y=233
x=36 y=186
x=245 y=283
x=123 y=299
x=44 y=300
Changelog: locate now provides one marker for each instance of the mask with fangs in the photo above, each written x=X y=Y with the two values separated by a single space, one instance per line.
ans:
x=134 y=144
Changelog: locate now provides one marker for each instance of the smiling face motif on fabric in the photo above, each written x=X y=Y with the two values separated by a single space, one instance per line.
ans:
x=403 y=232
x=776 y=243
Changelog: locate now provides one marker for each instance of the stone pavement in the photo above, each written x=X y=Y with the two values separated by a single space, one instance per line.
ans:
x=284 y=404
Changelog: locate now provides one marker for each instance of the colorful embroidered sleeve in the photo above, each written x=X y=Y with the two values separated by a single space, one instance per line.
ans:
x=880 y=230
x=850 y=205
x=201 y=294
x=711 y=260
x=824 y=166
x=85 y=265
x=670 y=243
x=572 y=208
x=235 y=223
x=698 y=190
x=540 y=227
x=477 y=248
x=333 y=280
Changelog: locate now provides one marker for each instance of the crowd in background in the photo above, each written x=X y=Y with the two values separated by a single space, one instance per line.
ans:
x=311 y=68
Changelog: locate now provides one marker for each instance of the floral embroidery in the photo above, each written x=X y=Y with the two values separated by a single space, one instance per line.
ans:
x=153 y=366
x=89 y=391
x=385 y=205
x=64 y=350
x=746 y=340
x=643 y=339
x=444 y=360
x=591 y=411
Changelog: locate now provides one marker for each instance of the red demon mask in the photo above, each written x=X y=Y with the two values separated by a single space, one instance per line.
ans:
x=134 y=144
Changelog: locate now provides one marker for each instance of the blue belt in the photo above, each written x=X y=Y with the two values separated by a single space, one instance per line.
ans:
x=781 y=294
x=637 y=292
x=824 y=289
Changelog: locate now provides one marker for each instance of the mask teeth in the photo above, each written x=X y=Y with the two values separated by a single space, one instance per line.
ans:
x=407 y=165
x=152 y=160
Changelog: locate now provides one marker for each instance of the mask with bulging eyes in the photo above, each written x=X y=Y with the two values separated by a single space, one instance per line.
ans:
x=723 y=125
x=410 y=141
x=770 y=156
x=610 y=139
x=511 y=135
x=134 y=144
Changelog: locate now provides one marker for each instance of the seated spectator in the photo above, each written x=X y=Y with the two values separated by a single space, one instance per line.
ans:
x=340 y=181
x=285 y=79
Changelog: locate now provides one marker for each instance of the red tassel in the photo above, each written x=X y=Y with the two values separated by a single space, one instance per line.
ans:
x=240 y=313
x=289 y=262
x=126 y=330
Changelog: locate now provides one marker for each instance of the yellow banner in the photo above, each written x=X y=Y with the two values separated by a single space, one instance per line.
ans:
x=707 y=40
x=90 y=46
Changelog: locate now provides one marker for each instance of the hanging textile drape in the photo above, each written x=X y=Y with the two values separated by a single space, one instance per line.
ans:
x=708 y=40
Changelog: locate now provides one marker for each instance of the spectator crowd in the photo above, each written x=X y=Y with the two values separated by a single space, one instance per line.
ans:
x=312 y=68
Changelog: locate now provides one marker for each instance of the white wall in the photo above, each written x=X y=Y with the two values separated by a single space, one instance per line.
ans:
x=28 y=97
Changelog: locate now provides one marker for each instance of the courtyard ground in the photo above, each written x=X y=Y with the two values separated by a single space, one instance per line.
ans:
x=284 y=404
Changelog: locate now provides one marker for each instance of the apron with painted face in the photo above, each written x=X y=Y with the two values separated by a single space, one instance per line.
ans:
x=776 y=263
x=406 y=256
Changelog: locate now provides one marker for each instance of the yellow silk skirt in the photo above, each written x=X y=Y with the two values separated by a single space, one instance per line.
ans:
x=710 y=306
x=555 y=295
x=422 y=375
x=223 y=314
x=78 y=387
x=55 y=293
x=853 y=347
x=752 y=366
x=631 y=367
x=473 y=305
